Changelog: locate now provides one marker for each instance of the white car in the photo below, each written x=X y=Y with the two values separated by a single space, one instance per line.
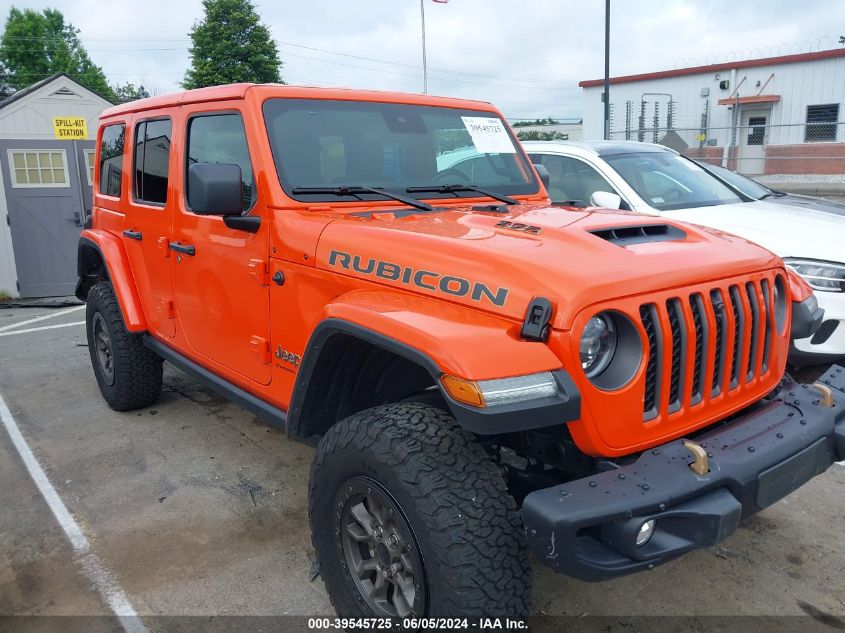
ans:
x=656 y=180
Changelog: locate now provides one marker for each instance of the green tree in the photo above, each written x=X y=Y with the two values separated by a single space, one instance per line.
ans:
x=231 y=45
x=38 y=44
x=129 y=92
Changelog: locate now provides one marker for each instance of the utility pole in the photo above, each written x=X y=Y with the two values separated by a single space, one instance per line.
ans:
x=606 y=69
x=425 y=66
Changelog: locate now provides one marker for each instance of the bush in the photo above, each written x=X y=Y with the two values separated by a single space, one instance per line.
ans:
x=537 y=135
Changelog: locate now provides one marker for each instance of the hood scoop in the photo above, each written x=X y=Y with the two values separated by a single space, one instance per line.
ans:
x=643 y=234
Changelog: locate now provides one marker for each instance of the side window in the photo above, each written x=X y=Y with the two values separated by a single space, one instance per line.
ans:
x=111 y=159
x=38 y=168
x=152 y=160
x=822 y=123
x=221 y=138
x=89 y=165
x=572 y=179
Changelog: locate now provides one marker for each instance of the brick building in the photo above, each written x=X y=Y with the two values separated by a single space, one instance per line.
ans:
x=774 y=115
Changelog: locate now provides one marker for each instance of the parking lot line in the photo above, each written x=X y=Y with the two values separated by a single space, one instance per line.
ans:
x=41 y=318
x=39 y=329
x=108 y=588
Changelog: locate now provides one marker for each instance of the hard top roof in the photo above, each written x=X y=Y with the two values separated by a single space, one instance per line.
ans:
x=239 y=91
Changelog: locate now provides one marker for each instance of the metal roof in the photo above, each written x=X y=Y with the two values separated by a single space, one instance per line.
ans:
x=714 y=68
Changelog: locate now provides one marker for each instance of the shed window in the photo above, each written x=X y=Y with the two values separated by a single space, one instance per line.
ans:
x=89 y=165
x=38 y=168
x=111 y=159
x=821 y=123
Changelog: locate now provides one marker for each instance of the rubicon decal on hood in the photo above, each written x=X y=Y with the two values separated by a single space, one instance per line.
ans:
x=421 y=278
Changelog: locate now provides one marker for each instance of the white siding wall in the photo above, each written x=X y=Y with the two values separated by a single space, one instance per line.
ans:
x=32 y=115
x=8 y=272
x=799 y=85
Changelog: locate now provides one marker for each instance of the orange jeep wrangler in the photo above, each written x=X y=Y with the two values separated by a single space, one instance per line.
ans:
x=483 y=375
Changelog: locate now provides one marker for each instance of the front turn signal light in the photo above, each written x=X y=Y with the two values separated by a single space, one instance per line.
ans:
x=501 y=391
x=465 y=391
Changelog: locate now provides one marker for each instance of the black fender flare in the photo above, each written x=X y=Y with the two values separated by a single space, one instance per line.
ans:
x=546 y=412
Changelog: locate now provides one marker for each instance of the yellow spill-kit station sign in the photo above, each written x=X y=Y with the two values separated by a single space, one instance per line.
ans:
x=70 y=128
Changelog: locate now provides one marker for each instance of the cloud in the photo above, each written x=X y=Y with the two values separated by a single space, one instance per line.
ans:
x=525 y=57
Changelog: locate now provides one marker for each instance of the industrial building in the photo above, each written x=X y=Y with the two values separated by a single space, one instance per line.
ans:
x=774 y=115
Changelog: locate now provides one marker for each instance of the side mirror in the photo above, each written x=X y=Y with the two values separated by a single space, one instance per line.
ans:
x=605 y=199
x=543 y=173
x=215 y=189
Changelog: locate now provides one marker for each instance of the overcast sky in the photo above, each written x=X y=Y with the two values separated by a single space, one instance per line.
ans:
x=526 y=56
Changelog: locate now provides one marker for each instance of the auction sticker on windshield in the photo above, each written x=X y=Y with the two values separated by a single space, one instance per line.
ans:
x=489 y=135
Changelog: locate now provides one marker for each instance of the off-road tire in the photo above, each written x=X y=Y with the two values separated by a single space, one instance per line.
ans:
x=137 y=370
x=454 y=497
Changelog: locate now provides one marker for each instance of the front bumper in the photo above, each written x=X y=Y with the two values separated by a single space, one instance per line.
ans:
x=826 y=343
x=586 y=528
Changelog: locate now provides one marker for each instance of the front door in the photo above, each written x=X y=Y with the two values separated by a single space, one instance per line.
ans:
x=46 y=209
x=220 y=279
x=753 y=133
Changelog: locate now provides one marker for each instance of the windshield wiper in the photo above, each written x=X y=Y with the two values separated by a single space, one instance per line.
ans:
x=357 y=190
x=447 y=188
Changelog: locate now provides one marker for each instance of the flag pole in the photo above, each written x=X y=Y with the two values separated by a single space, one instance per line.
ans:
x=425 y=66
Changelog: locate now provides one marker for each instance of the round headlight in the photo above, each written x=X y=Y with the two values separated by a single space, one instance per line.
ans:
x=598 y=344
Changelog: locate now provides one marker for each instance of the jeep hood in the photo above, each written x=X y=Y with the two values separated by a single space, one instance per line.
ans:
x=490 y=261
x=789 y=231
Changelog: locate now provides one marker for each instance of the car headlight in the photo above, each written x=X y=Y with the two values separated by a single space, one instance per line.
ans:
x=826 y=276
x=598 y=344
x=610 y=350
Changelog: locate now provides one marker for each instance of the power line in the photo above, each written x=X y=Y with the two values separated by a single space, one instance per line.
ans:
x=401 y=74
x=552 y=84
x=416 y=66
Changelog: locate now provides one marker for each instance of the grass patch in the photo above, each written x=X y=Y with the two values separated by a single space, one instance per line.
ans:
x=4 y=297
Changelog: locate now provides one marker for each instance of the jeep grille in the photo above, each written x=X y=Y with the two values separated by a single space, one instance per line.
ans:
x=733 y=324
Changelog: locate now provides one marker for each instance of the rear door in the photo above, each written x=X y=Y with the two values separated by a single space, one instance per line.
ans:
x=221 y=284
x=149 y=215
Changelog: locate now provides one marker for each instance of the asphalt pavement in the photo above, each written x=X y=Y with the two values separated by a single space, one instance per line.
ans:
x=193 y=507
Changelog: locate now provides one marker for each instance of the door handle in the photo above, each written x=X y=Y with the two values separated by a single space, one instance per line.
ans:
x=185 y=249
x=133 y=235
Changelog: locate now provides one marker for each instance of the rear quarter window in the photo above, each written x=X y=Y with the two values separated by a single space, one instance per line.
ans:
x=111 y=159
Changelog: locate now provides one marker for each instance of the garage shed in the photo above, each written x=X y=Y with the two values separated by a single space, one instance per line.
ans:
x=47 y=136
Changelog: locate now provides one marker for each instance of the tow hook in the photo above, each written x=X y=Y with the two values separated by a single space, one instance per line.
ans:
x=827 y=394
x=701 y=464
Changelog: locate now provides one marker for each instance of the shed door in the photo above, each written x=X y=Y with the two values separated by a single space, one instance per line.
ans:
x=45 y=197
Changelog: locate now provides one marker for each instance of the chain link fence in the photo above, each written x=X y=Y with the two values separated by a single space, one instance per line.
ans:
x=751 y=144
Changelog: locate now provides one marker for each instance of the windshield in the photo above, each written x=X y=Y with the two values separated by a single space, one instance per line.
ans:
x=323 y=144
x=745 y=185
x=668 y=181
